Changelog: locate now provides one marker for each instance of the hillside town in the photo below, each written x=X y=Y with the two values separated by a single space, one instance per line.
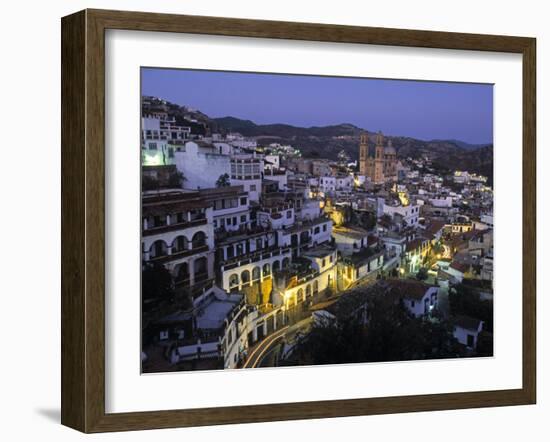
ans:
x=254 y=255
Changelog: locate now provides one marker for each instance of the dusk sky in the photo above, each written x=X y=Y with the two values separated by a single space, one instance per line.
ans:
x=419 y=109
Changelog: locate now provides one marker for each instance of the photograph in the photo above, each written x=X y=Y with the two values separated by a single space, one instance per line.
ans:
x=303 y=220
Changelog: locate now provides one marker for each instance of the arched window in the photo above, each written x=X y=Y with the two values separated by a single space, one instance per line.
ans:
x=315 y=287
x=233 y=280
x=158 y=248
x=266 y=270
x=308 y=290
x=256 y=273
x=276 y=266
x=300 y=295
x=199 y=240
x=286 y=263
x=245 y=277
x=179 y=244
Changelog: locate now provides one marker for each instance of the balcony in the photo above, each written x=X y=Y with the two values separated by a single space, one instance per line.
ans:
x=178 y=255
x=173 y=227
x=254 y=257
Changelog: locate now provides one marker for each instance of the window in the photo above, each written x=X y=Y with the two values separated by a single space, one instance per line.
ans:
x=323 y=262
x=324 y=227
x=289 y=214
x=412 y=304
x=152 y=146
x=317 y=230
x=253 y=187
x=233 y=280
x=243 y=218
x=243 y=201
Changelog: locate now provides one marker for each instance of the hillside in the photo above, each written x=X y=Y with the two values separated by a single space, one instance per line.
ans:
x=327 y=141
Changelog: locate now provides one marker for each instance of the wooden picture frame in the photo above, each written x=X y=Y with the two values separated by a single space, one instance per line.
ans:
x=83 y=220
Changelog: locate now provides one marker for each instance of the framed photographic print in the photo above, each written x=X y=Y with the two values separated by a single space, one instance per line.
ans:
x=320 y=221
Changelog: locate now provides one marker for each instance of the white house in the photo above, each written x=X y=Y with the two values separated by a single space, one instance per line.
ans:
x=467 y=330
x=201 y=165
x=410 y=213
x=349 y=240
x=247 y=171
x=419 y=298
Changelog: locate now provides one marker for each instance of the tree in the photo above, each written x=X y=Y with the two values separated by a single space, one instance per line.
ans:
x=156 y=286
x=422 y=274
x=176 y=179
x=390 y=333
x=223 y=181
x=149 y=183
x=465 y=300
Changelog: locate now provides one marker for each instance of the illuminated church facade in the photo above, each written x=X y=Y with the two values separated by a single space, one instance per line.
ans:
x=380 y=164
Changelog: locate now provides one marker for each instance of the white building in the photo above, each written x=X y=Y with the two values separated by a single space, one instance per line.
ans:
x=201 y=165
x=344 y=183
x=280 y=216
x=467 y=330
x=178 y=233
x=254 y=267
x=160 y=137
x=409 y=214
x=305 y=234
x=327 y=184
x=230 y=208
x=349 y=240
x=247 y=171
x=419 y=298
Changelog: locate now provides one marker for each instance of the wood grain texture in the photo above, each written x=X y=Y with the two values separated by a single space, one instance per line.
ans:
x=73 y=214
x=83 y=219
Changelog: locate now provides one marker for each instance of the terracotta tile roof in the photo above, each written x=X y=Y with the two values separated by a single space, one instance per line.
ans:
x=408 y=288
x=467 y=322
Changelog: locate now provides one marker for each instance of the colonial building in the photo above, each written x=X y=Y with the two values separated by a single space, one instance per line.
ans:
x=379 y=165
x=177 y=233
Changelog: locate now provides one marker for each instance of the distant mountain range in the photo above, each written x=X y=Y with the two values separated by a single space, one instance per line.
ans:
x=327 y=141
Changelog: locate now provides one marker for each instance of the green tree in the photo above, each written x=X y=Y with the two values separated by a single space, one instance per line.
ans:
x=422 y=274
x=223 y=181
x=465 y=300
x=176 y=179
x=156 y=286
x=149 y=183
x=390 y=333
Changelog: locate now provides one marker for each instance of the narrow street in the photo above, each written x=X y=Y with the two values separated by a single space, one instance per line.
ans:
x=265 y=349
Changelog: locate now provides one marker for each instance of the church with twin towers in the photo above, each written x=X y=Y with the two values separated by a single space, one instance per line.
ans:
x=378 y=162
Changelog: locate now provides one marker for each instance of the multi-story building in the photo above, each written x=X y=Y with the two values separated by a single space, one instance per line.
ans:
x=379 y=165
x=160 y=137
x=230 y=208
x=201 y=164
x=178 y=234
x=247 y=171
x=305 y=234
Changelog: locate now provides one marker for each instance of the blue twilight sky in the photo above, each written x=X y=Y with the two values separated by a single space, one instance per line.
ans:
x=419 y=109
